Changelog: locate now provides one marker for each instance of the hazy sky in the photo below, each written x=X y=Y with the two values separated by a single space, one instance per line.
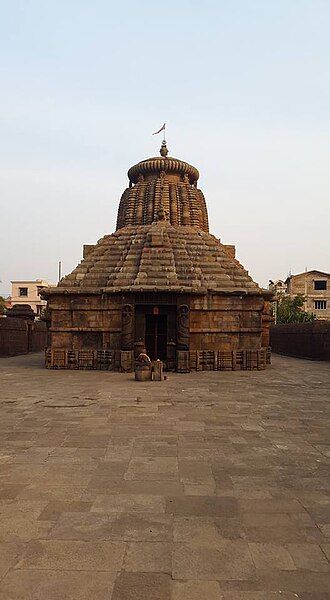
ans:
x=243 y=85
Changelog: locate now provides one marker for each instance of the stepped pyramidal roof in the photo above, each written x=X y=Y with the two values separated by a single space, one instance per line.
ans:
x=162 y=241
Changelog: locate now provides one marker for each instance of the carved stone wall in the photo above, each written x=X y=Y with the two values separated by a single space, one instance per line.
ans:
x=209 y=328
x=73 y=319
x=227 y=322
x=127 y=333
x=182 y=202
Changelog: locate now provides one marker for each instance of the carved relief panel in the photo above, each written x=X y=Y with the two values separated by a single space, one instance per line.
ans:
x=183 y=327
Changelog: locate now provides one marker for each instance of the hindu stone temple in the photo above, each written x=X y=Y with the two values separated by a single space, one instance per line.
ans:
x=160 y=281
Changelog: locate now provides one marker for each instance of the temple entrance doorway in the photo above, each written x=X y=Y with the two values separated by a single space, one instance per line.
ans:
x=156 y=336
x=156 y=329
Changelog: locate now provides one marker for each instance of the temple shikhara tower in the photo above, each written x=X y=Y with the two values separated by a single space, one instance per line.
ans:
x=160 y=281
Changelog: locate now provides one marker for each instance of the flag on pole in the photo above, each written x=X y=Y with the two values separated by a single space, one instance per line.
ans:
x=159 y=130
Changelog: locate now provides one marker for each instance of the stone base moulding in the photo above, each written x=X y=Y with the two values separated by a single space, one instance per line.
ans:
x=197 y=360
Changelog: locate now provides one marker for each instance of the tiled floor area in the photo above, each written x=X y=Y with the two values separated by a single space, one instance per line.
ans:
x=208 y=486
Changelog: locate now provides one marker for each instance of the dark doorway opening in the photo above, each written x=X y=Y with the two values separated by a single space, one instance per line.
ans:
x=156 y=336
x=155 y=329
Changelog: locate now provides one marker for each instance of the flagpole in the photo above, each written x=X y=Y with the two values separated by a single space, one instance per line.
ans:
x=164 y=137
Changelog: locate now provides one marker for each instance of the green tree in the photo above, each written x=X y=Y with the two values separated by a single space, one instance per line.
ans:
x=291 y=310
x=2 y=305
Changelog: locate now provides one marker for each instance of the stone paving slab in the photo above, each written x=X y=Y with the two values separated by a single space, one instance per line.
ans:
x=209 y=485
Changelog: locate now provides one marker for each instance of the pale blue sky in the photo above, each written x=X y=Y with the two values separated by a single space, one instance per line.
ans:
x=243 y=85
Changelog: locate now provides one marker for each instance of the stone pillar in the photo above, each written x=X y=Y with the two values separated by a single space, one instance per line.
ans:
x=157 y=371
x=126 y=361
x=266 y=320
x=183 y=327
x=171 y=354
x=127 y=327
x=182 y=361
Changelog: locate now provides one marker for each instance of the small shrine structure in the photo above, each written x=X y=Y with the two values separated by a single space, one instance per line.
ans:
x=162 y=282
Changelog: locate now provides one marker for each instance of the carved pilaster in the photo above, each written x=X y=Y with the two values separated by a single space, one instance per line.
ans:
x=182 y=365
x=127 y=328
x=173 y=205
x=185 y=215
x=150 y=203
x=126 y=361
x=140 y=199
x=183 y=327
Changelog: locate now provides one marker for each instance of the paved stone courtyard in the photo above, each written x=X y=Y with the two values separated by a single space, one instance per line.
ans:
x=205 y=486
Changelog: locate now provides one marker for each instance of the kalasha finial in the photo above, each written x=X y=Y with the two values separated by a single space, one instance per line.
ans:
x=163 y=149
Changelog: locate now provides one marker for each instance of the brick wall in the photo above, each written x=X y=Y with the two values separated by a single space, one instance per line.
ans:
x=18 y=336
x=304 y=340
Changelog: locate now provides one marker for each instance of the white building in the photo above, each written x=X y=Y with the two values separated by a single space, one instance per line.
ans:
x=314 y=285
x=277 y=287
x=28 y=292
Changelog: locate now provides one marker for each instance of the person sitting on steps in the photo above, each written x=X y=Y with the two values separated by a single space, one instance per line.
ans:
x=143 y=358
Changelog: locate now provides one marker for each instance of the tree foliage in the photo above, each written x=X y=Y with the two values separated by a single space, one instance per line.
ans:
x=2 y=305
x=291 y=310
